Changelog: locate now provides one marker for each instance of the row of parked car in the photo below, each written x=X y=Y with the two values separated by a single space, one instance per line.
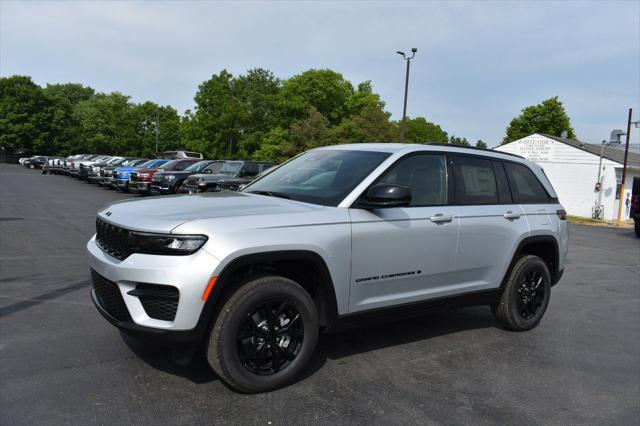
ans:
x=177 y=172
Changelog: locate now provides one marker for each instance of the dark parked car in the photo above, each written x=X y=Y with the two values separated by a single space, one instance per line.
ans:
x=232 y=176
x=34 y=162
x=171 y=182
x=140 y=180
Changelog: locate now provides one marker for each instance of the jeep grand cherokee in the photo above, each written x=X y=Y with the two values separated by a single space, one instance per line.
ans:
x=330 y=238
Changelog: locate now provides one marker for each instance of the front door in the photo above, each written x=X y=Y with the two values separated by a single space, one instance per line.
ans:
x=405 y=254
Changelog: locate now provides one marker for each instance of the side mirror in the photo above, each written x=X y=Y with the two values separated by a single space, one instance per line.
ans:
x=384 y=195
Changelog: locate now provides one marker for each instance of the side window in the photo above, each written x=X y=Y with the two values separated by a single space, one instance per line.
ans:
x=425 y=175
x=265 y=167
x=249 y=170
x=504 y=193
x=475 y=182
x=525 y=187
x=183 y=165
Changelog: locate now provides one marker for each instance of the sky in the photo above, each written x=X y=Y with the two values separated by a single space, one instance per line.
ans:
x=478 y=63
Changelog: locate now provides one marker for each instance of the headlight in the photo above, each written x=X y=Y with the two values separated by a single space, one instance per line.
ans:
x=147 y=243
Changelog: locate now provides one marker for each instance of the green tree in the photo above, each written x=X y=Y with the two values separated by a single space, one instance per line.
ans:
x=326 y=90
x=481 y=144
x=310 y=132
x=26 y=116
x=107 y=125
x=372 y=124
x=419 y=130
x=275 y=146
x=454 y=140
x=549 y=117
x=65 y=134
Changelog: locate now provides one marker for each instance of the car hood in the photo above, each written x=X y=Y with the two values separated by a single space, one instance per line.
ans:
x=163 y=214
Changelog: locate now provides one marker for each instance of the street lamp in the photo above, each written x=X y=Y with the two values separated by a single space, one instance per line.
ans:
x=403 y=126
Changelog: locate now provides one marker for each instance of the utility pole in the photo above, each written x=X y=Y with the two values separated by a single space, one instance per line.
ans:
x=403 y=125
x=624 y=169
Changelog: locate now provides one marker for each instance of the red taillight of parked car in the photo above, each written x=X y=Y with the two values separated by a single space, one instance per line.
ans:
x=562 y=214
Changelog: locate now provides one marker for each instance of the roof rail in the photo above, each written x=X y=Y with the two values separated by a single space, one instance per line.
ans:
x=473 y=147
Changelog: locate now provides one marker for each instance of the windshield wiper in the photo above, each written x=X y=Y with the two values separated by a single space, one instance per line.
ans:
x=271 y=194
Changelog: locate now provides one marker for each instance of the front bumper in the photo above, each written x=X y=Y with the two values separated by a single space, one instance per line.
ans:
x=140 y=187
x=160 y=190
x=189 y=274
x=184 y=189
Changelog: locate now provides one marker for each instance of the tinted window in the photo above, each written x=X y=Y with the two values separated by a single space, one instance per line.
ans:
x=250 y=169
x=183 y=165
x=525 y=187
x=475 y=182
x=504 y=193
x=214 y=168
x=425 y=175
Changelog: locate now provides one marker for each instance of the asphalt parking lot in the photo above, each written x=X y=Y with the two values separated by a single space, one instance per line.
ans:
x=62 y=363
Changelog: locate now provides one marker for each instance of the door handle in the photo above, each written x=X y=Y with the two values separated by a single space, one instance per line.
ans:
x=511 y=215
x=441 y=218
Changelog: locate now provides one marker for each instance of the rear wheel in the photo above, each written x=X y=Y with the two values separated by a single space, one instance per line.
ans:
x=526 y=295
x=264 y=335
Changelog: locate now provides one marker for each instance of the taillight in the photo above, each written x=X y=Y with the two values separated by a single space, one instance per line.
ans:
x=562 y=214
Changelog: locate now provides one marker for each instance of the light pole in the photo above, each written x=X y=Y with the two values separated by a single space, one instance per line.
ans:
x=403 y=126
x=157 y=130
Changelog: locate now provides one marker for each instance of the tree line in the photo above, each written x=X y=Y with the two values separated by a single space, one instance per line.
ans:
x=250 y=116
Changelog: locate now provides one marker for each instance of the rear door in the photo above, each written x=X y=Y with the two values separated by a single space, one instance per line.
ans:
x=405 y=254
x=491 y=223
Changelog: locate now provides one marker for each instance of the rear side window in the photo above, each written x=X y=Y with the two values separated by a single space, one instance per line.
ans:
x=475 y=182
x=525 y=187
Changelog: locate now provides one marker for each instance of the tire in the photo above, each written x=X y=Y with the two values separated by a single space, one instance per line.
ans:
x=523 y=301
x=235 y=335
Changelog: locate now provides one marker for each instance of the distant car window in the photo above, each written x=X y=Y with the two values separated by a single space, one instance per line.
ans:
x=181 y=165
x=264 y=167
x=193 y=154
x=525 y=187
x=249 y=170
x=475 y=182
x=425 y=175
x=214 y=168
x=231 y=168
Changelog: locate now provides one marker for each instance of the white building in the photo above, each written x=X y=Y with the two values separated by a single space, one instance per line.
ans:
x=572 y=168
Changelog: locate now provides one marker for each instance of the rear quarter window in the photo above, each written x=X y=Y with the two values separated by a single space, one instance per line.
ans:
x=525 y=186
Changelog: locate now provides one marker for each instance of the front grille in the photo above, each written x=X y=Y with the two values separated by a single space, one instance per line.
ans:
x=192 y=181
x=109 y=297
x=133 y=177
x=225 y=186
x=159 y=301
x=113 y=239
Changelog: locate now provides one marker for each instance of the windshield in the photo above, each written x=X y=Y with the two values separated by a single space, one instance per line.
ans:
x=169 y=164
x=323 y=177
x=196 y=167
x=230 y=168
x=146 y=164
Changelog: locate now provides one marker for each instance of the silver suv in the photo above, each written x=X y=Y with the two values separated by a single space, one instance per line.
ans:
x=331 y=238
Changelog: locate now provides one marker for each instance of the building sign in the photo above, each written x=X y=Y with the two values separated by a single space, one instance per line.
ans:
x=535 y=149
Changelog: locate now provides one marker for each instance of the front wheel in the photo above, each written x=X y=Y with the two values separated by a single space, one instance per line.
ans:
x=526 y=295
x=264 y=335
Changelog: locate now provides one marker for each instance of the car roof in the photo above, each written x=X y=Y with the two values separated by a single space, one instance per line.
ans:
x=403 y=148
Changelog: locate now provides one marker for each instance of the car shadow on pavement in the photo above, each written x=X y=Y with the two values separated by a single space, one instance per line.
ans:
x=330 y=346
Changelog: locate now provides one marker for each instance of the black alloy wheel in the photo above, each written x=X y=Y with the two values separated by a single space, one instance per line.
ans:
x=270 y=338
x=531 y=294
